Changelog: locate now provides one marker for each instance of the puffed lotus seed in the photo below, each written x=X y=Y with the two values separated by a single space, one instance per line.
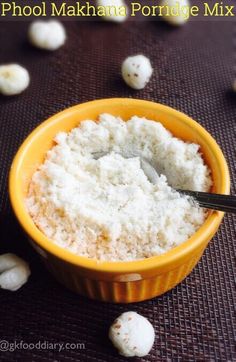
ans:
x=14 y=272
x=14 y=79
x=136 y=71
x=47 y=34
x=132 y=335
x=175 y=18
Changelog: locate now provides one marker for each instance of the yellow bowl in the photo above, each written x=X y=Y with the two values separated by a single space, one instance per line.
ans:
x=121 y=282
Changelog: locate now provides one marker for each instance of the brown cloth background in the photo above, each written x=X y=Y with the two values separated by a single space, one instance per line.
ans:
x=193 y=73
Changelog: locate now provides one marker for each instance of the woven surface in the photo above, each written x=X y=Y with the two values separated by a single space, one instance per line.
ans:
x=193 y=73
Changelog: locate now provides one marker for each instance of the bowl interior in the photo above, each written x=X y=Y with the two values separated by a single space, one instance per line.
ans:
x=32 y=153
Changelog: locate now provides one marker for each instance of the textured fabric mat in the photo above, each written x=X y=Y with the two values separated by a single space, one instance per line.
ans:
x=193 y=73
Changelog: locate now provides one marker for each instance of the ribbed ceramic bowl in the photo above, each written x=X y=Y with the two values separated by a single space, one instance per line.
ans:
x=123 y=282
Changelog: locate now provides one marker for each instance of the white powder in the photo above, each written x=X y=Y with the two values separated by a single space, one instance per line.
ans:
x=107 y=209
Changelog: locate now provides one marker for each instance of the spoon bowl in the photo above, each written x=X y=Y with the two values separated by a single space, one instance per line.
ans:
x=226 y=203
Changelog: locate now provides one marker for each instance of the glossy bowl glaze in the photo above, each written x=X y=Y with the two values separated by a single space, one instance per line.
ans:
x=122 y=282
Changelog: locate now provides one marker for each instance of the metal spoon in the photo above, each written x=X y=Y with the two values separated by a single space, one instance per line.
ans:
x=226 y=203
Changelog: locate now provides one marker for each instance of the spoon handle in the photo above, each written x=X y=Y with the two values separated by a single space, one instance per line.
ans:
x=226 y=203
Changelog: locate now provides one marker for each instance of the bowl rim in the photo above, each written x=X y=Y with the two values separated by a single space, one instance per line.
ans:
x=208 y=228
